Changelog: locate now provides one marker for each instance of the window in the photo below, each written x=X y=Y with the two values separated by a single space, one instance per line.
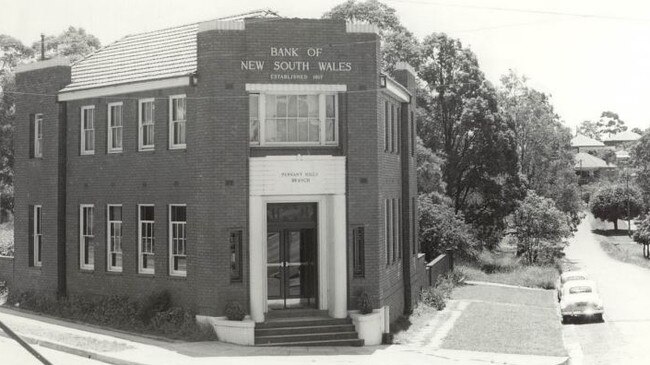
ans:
x=413 y=135
x=396 y=233
x=387 y=128
x=309 y=119
x=88 y=130
x=146 y=124
x=38 y=136
x=414 y=221
x=389 y=225
x=177 y=121
x=398 y=126
x=114 y=239
x=114 y=127
x=358 y=255
x=254 y=113
x=146 y=239
x=236 y=256
x=87 y=237
x=177 y=240
x=38 y=235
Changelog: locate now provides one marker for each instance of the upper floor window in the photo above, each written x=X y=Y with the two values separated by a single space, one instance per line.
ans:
x=293 y=119
x=88 y=130
x=146 y=123
x=38 y=136
x=177 y=121
x=114 y=127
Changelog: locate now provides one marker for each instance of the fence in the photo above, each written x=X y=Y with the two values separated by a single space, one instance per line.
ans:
x=440 y=266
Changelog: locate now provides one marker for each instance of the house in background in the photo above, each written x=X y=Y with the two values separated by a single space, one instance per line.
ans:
x=621 y=143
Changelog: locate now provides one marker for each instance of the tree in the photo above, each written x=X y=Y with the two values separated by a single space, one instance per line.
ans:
x=610 y=123
x=481 y=167
x=442 y=228
x=429 y=172
x=543 y=144
x=637 y=130
x=589 y=129
x=397 y=42
x=613 y=202
x=642 y=235
x=540 y=229
x=640 y=160
x=73 y=43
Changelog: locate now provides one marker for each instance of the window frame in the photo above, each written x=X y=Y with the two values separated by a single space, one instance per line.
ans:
x=82 y=242
x=109 y=252
x=141 y=146
x=236 y=249
x=172 y=272
x=142 y=270
x=83 y=142
x=387 y=127
x=172 y=145
x=322 y=117
x=109 y=128
x=358 y=251
x=38 y=141
x=388 y=234
x=37 y=241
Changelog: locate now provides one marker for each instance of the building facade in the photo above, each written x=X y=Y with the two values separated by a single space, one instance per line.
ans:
x=266 y=161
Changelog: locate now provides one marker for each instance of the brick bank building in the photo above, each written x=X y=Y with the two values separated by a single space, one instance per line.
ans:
x=267 y=161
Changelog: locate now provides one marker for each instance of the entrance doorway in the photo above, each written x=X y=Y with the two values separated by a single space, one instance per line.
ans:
x=292 y=255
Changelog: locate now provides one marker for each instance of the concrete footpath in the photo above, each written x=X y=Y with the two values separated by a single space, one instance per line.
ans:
x=120 y=348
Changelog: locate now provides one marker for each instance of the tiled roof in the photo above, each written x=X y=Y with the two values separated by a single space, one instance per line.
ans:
x=586 y=162
x=149 y=56
x=584 y=141
x=153 y=55
x=625 y=136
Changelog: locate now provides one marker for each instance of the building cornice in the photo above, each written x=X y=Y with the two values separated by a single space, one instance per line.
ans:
x=124 y=89
x=296 y=87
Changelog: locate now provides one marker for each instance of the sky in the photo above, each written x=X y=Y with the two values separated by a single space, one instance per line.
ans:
x=589 y=55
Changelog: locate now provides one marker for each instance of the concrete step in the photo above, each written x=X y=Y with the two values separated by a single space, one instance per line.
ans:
x=306 y=337
x=349 y=342
x=275 y=331
x=303 y=322
x=296 y=313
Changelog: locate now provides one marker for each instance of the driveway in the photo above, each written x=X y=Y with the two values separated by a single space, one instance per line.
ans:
x=624 y=335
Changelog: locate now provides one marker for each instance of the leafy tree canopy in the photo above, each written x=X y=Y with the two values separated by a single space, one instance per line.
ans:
x=398 y=43
x=612 y=202
x=589 y=129
x=73 y=43
x=540 y=229
x=429 y=172
x=543 y=144
x=479 y=147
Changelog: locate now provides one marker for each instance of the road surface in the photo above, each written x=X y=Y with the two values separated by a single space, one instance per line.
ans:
x=11 y=353
x=624 y=336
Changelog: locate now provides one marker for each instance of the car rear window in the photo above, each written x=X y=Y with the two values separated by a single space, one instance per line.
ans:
x=573 y=277
x=580 y=289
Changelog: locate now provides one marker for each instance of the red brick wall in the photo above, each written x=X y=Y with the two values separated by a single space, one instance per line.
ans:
x=40 y=181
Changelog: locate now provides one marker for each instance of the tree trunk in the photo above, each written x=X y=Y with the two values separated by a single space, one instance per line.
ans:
x=616 y=225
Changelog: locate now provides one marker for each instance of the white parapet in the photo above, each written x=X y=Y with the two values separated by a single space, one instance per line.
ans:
x=237 y=332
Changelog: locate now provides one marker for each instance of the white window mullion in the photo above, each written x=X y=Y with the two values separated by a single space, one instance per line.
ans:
x=262 y=117
x=321 y=118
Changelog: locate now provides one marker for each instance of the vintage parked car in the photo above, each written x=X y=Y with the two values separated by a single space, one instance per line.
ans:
x=569 y=276
x=580 y=299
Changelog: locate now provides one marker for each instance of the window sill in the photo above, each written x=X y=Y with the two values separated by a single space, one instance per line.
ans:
x=87 y=153
x=146 y=149
x=144 y=273
x=114 y=272
x=115 y=151
x=87 y=270
x=296 y=145
x=178 y=147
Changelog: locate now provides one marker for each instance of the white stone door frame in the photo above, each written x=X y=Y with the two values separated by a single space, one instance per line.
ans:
x=332 y=270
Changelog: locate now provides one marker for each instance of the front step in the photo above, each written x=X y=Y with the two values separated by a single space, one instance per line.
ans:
x=307 y=331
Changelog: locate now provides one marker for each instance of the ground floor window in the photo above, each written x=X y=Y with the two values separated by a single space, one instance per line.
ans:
x=87 y=237
x=358 y=254
x=236 y=256
x=146 y=239
x=114 y=230
x=178 y=239
x=38 y=234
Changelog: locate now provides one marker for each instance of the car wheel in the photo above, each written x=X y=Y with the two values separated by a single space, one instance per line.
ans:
x=565 y=319
x=599 y=317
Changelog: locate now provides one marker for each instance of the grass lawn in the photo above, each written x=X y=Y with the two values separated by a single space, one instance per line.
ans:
x=529 y=276
x=622 y=248
x=507 y=320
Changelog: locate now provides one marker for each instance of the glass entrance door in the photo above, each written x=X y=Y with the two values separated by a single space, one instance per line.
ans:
x=291 y=265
